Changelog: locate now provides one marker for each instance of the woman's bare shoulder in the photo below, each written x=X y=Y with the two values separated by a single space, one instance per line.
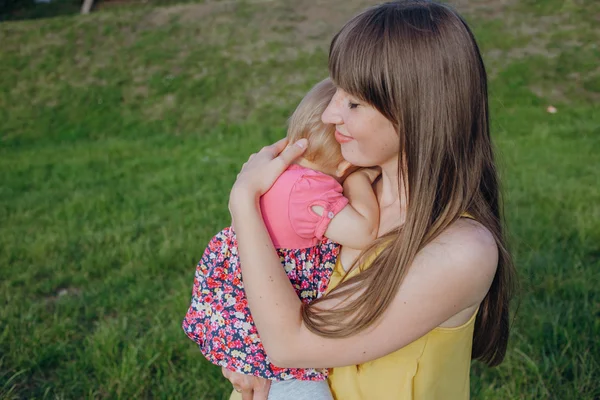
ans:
x=472 y=232
x=468 y=249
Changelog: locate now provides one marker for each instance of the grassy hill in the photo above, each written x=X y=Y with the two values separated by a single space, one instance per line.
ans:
x=121 y=133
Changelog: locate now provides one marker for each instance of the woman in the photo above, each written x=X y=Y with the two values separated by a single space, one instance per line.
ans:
x=433 y=290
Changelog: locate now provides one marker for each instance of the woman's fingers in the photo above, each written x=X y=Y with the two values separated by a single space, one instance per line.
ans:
x=276 y=147
x=241 y=383
x=225 y=372
x=292 y=152
x=287 y=156
x=262 y=169
x=251 y=387
x=261 y=389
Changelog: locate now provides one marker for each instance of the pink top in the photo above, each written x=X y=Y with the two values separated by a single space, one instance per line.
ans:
x=287 y=207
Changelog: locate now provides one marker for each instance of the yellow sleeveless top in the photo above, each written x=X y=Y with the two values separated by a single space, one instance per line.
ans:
x=435 y=366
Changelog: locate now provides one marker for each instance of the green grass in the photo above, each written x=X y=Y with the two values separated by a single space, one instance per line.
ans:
x=121 y=133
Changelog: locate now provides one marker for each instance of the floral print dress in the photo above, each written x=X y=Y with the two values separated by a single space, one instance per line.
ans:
x=218 y=318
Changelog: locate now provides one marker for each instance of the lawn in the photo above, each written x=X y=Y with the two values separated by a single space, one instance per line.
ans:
x=121 y=133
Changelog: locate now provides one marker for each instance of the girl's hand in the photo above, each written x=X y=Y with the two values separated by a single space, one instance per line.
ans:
x=262 y=169
x=251 y=387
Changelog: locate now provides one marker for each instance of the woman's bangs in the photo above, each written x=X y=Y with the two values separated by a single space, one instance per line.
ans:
x=353 y=62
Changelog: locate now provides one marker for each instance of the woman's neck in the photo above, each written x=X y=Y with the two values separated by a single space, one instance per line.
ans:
x=391 y=189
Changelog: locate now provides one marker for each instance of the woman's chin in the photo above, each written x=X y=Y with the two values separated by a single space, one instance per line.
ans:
x=357 y=159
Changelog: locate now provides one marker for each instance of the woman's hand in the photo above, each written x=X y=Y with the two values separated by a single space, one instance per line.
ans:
x=262 y=169
x=251 y=387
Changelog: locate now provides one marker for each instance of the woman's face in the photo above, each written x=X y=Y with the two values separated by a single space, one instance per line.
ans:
x=366 y=136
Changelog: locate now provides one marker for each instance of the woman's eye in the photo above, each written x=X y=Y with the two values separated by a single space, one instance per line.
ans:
x=352 y=105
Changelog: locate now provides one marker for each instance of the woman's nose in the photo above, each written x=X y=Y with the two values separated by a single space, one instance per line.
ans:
x=331 y=114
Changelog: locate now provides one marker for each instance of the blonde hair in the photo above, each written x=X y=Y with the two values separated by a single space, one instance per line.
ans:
x=418 y=64
x=306 y=123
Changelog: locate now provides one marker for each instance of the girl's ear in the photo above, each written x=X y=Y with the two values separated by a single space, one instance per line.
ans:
x=342 y=168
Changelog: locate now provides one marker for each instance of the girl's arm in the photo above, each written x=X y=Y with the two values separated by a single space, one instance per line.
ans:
x=450 y=276
x=356 y=225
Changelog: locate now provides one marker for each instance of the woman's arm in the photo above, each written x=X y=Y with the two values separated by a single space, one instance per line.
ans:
x=450 y=275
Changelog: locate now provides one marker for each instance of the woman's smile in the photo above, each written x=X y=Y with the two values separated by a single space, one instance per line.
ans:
x=341 y=138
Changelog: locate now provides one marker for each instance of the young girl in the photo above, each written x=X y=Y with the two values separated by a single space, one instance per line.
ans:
x=306 y=205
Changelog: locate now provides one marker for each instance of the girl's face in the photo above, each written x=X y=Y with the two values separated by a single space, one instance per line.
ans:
x=367 y=137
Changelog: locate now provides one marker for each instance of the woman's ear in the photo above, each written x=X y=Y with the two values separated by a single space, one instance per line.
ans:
x=342 y=168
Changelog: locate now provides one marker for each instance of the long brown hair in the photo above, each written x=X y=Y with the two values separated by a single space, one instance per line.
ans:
x=417 y=62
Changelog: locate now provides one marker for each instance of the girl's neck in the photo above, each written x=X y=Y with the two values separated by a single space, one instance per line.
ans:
x=303 y=162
